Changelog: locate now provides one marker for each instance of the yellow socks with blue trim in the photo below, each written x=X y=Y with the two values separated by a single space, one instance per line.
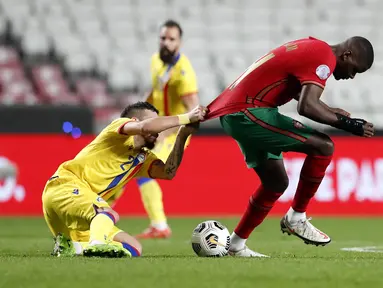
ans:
x=100 y=227
x=151 y=195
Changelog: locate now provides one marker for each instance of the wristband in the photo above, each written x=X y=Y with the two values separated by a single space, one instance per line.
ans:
x=352 y=125
x=183 y=119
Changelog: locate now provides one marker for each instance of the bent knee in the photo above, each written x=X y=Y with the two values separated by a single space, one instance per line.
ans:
x=129 y=242
x=133 y=246
x=326 y=147
x=111 y=212
x=138 y=247
x=278 y=185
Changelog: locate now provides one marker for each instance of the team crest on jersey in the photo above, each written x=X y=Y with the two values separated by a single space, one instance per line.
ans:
x=298 y=124
x=141 y=157
x=323 y=72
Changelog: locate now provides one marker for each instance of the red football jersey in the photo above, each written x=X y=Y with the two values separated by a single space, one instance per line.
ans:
x=277 y=77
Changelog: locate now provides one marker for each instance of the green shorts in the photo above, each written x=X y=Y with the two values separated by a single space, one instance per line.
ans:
x=264 y=133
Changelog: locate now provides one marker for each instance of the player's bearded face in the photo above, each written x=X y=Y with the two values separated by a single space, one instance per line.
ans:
x=169 y=43
x=150 y=141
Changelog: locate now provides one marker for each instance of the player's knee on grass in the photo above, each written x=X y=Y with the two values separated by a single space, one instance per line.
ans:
x=111 y=212
x=129 y=242
x=320 y=144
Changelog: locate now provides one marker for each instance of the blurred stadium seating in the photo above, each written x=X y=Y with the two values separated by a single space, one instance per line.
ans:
x=97 y=52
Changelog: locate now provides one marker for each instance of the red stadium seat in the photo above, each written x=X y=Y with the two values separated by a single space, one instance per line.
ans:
x=93 y=93
x=52 y=86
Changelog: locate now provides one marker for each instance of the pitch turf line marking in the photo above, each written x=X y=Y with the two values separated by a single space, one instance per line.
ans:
x=370 y=249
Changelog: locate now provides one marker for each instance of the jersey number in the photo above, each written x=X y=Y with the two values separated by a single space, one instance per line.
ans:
x=133 y=162
x=251 y=68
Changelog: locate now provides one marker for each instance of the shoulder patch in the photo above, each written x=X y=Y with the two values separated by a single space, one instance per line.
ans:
x=323 y=72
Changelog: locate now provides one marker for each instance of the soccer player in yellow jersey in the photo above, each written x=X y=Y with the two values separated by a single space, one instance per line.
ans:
x=174 y=91
x=74 y=198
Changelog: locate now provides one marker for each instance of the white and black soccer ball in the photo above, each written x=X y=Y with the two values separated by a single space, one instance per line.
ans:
x=211 y=239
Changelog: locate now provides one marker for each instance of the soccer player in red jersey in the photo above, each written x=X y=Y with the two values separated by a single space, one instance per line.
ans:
x=248 y=112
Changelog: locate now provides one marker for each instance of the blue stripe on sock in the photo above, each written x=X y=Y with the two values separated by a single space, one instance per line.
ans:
x=141 y=181
x=131 y=249
x=109 y=215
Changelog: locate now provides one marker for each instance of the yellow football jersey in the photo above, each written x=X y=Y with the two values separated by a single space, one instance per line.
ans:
x=109 y=161
x=170 y=83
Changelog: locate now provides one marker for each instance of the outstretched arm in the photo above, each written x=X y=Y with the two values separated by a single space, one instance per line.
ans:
x=159 y=124
x=168 y=170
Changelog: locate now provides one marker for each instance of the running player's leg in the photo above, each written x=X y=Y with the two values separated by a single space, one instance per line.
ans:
x=260 y=203
x=251 y=138
x=290 y=135
x=151 y=195
x=319 y=149
x=294 y=136
x=262 y=131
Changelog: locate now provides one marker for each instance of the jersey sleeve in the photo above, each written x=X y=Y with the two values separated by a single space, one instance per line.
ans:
x=117 y=125
x=151 y=158
x=314 y=64
x=188 y=81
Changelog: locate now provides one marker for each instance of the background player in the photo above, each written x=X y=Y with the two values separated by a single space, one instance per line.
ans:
x=74 y=199
x=174 y=91
x=299 y=70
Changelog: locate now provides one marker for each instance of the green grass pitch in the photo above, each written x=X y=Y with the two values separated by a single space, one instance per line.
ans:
x=25 y=261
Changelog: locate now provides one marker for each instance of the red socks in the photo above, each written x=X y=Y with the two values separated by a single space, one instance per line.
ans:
x=312 y=174
x=259 y=206
x=261 y=202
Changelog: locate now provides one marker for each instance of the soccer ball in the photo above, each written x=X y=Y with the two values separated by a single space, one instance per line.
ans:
x=211 y=239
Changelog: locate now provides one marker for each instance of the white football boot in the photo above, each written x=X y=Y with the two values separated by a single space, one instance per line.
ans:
x=304 y=230
x=246 y=252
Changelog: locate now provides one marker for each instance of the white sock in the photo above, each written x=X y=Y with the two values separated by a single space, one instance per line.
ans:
x=236 y=243
x=77 y=247
x=160 y=225
x=95 y=242
x=293 y=216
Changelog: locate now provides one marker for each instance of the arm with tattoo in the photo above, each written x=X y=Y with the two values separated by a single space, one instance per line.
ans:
x=168 y=170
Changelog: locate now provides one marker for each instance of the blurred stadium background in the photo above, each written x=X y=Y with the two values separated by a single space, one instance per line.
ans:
x=70 y=66
x=97 y=52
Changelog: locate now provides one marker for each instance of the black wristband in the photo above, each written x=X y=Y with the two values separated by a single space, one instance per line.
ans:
x=352 y=125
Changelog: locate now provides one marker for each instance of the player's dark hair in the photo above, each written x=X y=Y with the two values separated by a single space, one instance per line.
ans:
x=130 y=110
x=171 y=23
x=364 y=50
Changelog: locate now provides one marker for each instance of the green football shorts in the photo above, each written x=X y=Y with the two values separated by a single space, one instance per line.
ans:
x=264 y=133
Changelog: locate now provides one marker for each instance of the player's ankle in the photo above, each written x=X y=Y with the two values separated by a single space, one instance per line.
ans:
x=295 y=216
x=163 y=225
x=237 y=243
